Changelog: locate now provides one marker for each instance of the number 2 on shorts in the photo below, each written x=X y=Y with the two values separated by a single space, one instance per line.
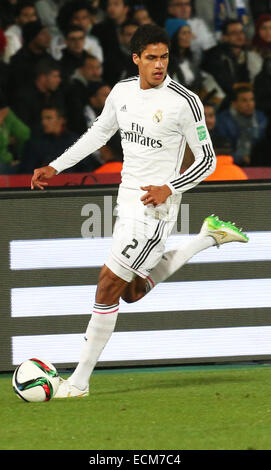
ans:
x=133 y=246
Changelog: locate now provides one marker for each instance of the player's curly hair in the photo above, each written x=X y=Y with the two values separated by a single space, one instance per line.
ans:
x=148 y=34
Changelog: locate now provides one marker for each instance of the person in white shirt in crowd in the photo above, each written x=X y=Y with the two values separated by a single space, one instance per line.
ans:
x=80 y=13
x=24 y=13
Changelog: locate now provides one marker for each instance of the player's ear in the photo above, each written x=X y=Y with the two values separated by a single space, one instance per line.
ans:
x=136 y=58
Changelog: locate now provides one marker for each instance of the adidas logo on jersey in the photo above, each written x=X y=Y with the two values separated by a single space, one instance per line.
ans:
x=123 y=108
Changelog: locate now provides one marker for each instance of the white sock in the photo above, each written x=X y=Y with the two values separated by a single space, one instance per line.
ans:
x=99 y=330
x=175 y=259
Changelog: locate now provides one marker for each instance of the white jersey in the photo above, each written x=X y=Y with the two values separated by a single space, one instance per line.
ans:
x=155 y=125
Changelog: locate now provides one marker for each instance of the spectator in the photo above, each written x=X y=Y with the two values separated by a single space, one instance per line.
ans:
x=91 y=70
x=141 y=15
x=216 y=12
x=243 y=125
x=84 y=14
x=31 y=99
x=203 y=38
x=77 y=92
x=117 y=13
x=79 y=13
x=36 y=40
x=24 y=13
x=119 y=65
x=97 y=94
x=74 y=52
x=52 y=141
x=230 y=62
x=183 y=64
x=127 y=30
x=48 y=11
x=218 y=140
x=262 y=39
x=13 y=134
x=262 y=90
x=3 y=66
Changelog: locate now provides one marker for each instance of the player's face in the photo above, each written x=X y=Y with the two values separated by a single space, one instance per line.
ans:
x=152 y=65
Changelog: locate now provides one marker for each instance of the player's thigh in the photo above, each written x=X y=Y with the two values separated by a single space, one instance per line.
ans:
x=138 y=245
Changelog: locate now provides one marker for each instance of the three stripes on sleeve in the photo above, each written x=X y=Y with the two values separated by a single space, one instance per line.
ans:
x=202 y=167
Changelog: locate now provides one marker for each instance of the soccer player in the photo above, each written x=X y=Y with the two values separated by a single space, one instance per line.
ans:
x=156 y=118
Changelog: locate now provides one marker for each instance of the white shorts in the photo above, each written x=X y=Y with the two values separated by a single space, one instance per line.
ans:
x=140 y=234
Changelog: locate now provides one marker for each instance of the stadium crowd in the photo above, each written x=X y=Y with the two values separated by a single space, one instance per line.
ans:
x=59 y=59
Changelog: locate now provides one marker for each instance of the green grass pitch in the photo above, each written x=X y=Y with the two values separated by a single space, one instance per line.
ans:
x=170 y=408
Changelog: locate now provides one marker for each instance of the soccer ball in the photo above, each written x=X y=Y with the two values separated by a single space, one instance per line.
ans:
x=35 y=380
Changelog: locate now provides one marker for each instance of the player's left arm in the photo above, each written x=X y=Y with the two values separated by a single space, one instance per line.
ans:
x=194 y=129
x=155 y=195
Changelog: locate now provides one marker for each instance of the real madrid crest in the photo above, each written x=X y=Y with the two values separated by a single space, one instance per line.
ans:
x=158 y=116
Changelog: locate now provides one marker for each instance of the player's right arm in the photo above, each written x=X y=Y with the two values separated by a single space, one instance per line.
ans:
x=41 y=175
x=96 y=137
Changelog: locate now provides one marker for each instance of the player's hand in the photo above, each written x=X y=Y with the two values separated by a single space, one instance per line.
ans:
x=155 y=194
x=41 y=175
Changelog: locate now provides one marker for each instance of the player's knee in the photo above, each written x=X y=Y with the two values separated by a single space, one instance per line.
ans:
x=134 y=291
x=109 y=287
x=128 y=297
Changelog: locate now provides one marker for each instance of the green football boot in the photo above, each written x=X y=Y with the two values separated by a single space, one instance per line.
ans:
x=222 y=232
